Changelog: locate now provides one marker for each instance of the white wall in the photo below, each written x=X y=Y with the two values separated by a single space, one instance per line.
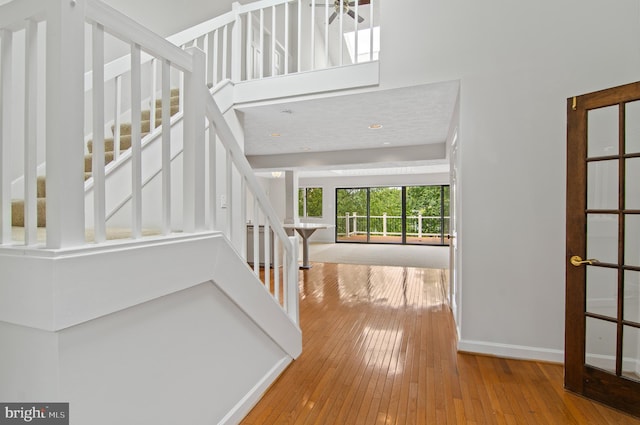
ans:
x=517 y=63
x=174 y=355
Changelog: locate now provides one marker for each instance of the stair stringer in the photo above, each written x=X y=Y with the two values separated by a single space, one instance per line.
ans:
x=108 y=323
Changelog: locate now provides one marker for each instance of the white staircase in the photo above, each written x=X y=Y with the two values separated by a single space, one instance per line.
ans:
x=173 y=327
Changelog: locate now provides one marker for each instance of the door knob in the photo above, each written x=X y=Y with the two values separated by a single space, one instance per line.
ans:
x=577 y=261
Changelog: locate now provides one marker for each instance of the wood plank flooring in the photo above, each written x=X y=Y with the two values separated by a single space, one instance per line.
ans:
x=379 y=348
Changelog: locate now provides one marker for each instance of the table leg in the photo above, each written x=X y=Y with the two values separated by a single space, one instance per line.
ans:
x=305 y=254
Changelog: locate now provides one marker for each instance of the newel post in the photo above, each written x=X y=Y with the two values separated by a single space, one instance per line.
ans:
x=195 y=89
x=65 y=123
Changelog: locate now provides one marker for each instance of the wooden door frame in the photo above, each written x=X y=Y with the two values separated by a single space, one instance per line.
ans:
x=579 y=377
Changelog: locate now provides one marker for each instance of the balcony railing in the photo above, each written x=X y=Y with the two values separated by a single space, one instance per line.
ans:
x=354 y=226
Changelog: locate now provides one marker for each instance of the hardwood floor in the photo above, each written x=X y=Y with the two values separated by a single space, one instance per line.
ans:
x=379 y=348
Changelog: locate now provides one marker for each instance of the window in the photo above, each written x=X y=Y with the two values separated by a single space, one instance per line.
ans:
x=310 y=202
x=404 y=214
x=368 y=48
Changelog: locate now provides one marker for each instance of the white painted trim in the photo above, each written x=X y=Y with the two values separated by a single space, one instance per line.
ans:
x=244 y=406
x=511 y=351
x=309 y=82
x=56 y=289
x=123 y=27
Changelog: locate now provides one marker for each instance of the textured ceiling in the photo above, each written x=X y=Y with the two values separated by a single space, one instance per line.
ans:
x=409 y=116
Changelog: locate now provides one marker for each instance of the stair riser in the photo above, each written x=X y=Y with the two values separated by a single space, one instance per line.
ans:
x=146 y=114
x=88 y=161
x=17 y=213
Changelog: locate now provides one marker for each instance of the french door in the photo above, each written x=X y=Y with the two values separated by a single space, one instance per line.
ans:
x=602 y=335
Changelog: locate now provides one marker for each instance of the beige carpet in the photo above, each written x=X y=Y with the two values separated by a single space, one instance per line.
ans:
x=432 y=257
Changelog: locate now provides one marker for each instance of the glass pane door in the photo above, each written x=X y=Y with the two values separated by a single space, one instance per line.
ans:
x=352 y=224
x=385 y=215
x=602 y=350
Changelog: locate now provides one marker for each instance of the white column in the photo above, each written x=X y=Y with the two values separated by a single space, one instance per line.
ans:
x=64 y=124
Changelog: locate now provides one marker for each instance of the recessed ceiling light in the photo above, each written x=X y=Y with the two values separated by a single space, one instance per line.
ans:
x=275 y=135
x=375 y=126
x=306 y=148
x=386 y=143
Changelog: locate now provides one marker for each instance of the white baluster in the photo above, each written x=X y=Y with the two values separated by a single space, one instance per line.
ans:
x=211 y=50
x=299 y=31
x=216 y=57
x=291 y=294
x=30 y=133
x=236 y=46
x=347 y=225
x=261 y=55
x=6 y=133
x=274 y=54
x=136 y=148
x=225 y=51
x=286 y=38
x=116 y=117
x=166 y=146
x=384 y=224
x=357 y=35
x=355 y=224
x=371 y=30
x=256 y=240
x=313 y=34
x=154 y=96
x=249 y=47
x=276 y=269
x=326 y=35
x=229 y=196
x=242 y=247
x=341 y=22
x=98 y=160
x=267 y=254
x=213 y=190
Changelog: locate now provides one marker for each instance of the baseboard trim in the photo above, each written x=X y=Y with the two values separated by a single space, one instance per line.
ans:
x=511 y=351
x=244 y=406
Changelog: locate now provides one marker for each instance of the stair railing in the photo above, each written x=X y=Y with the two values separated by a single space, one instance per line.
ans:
x=283 y=285
x=257 y=40
x=277 y=37
x=63 y=120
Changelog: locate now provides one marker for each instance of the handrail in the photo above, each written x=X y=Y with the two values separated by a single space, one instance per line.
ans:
x=122 y=27
x=229 y=141
x=14 y=14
